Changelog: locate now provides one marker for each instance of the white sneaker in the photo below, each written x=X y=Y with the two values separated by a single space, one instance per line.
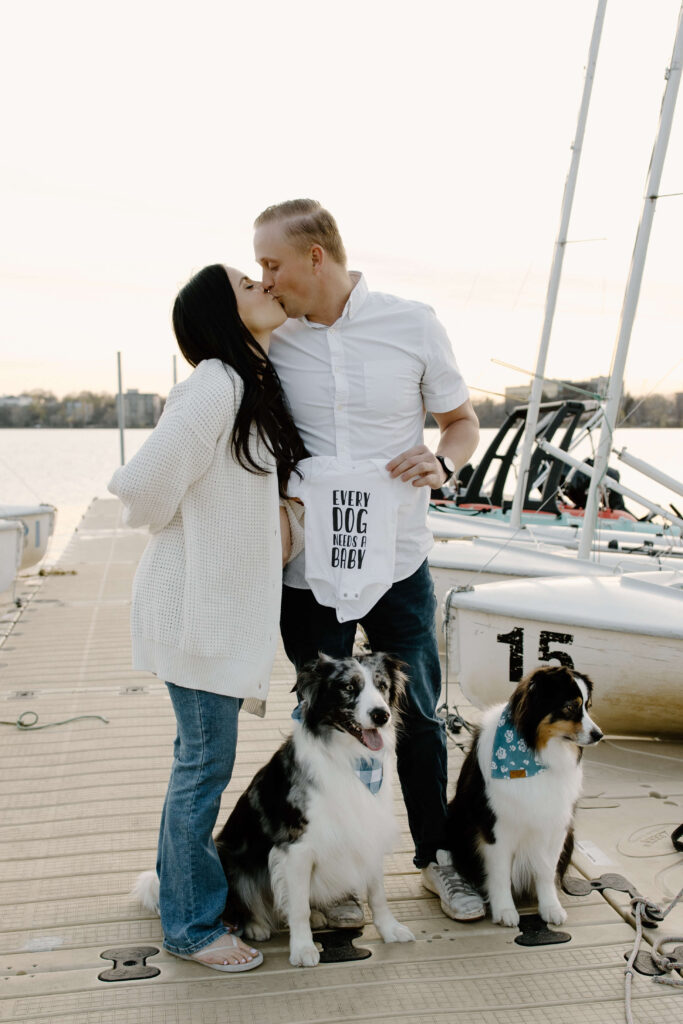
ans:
x=459 y=899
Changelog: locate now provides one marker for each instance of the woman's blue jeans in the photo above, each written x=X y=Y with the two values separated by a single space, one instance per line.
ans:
x=401 y=623
x=192 y=885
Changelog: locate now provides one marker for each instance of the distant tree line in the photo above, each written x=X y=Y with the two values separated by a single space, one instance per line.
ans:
x=85 y=409
x=96 y=409
x=653 y=411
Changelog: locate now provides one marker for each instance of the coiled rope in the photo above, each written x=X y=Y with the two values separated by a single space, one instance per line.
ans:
x=22 y=723
x=645 y=908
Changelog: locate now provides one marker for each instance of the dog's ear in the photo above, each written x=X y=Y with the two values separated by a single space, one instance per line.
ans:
x=588 y=683
x=394 y=669
x=553 y=673
x=309 y=677
x=585 y=679
x=526 y=703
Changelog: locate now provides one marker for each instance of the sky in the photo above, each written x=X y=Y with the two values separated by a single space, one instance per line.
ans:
x=140 y=139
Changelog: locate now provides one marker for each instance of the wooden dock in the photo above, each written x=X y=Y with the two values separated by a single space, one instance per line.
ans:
x=79 y=809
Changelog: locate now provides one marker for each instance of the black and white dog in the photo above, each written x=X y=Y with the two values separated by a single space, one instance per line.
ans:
x=510 y=823
x=314 y=824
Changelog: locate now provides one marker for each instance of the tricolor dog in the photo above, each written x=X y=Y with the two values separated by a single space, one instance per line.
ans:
x=511 y=819
x=314 y=824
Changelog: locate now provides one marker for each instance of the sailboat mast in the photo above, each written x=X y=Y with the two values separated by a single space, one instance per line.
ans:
x=632 y=292
x=556 y=271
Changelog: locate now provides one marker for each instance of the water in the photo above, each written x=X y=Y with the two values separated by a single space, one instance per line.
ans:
x=69 y=468
x=65 y=468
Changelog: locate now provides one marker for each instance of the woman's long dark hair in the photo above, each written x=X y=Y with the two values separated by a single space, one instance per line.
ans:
x=207 y=326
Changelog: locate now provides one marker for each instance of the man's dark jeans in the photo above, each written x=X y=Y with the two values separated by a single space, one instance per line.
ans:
x=401 y=623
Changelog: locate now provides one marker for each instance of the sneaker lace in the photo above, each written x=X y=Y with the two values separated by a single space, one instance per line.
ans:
x=455 y=884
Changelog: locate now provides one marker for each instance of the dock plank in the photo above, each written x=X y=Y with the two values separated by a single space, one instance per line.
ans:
x=79 y=811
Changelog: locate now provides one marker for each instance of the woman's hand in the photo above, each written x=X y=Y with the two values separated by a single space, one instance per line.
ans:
x=285 y=536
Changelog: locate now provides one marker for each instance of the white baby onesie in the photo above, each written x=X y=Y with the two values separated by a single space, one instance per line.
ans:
x=350 y=530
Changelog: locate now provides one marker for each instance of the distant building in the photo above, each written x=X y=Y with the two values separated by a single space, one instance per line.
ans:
x=553 y=390
x=141 y=410
x=598 y=385
x=79 y=411
x=15 y=401
x=518 y=395
x=521 y=393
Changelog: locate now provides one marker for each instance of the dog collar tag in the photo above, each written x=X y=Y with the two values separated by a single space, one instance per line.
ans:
x=370 y=772
x=512 y=758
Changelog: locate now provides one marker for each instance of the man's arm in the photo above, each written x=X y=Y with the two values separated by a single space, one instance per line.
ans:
x=459 y=438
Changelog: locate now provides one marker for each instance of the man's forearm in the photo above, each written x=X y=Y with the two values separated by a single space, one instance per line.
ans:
x=459 y=440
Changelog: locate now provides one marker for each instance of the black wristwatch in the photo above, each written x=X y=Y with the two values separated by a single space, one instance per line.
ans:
x=447 y=466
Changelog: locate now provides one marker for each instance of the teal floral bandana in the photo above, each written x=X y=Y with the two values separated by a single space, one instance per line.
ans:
x=512 y=758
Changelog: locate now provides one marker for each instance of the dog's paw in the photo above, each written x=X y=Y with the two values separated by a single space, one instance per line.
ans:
x=553 y=913
x=304 y=955
x=256 y=932
x=506 y=916
x=396 y=932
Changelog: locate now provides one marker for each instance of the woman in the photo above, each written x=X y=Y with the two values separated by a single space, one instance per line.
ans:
x=206 y=595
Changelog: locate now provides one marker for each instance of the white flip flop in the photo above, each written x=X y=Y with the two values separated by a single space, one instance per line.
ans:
x=256 y=961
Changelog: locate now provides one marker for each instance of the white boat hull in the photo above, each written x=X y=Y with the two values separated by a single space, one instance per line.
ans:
x=626 y=633
x=38 y=523
x=11 y=549
x=474 y=561
x=450 y=525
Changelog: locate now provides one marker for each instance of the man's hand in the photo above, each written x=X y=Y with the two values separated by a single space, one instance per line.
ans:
x=419 y=466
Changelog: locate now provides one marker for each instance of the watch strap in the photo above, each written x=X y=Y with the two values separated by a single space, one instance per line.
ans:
x=448 y=470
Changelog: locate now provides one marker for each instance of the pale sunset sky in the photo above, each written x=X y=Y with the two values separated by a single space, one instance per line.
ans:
x=140 y=139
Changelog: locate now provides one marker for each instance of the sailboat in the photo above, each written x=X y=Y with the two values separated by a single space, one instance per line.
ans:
x=626 y=631
x=547 y=510
x=479 y=533
x=38 y=525
x=11 y=550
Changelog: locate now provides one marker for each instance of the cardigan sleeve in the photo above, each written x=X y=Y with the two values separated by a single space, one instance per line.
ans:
x=178 y=452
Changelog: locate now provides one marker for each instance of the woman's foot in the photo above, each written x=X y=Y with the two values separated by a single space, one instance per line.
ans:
x=226 y=953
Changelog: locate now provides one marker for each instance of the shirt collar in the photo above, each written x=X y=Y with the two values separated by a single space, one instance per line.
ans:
x=359 y=294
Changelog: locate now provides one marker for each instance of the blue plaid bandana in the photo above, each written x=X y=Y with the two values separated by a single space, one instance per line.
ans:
x=512 y=758
x=370 y=772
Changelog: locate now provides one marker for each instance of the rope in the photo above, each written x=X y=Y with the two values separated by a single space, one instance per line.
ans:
x=24 y=725
x=652 y=912
x=451 y=718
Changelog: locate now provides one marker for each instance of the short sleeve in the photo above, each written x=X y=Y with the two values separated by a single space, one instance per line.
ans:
x=443 y=387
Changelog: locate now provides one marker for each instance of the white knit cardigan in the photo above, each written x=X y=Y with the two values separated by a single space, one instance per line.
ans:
x=206 y=595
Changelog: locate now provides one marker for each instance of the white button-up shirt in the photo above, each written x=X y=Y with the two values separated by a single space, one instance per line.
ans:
x=359 y=388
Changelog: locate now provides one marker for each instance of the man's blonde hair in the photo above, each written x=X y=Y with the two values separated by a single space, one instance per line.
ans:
x=306 y=223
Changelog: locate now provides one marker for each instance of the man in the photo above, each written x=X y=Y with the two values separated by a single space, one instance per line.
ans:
x=358 y=369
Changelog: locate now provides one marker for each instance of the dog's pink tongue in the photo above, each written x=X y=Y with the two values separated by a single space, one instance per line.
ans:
x=372 y=739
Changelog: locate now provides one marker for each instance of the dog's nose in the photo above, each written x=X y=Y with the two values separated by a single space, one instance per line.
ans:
x=595 y=735
x=379 y=716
